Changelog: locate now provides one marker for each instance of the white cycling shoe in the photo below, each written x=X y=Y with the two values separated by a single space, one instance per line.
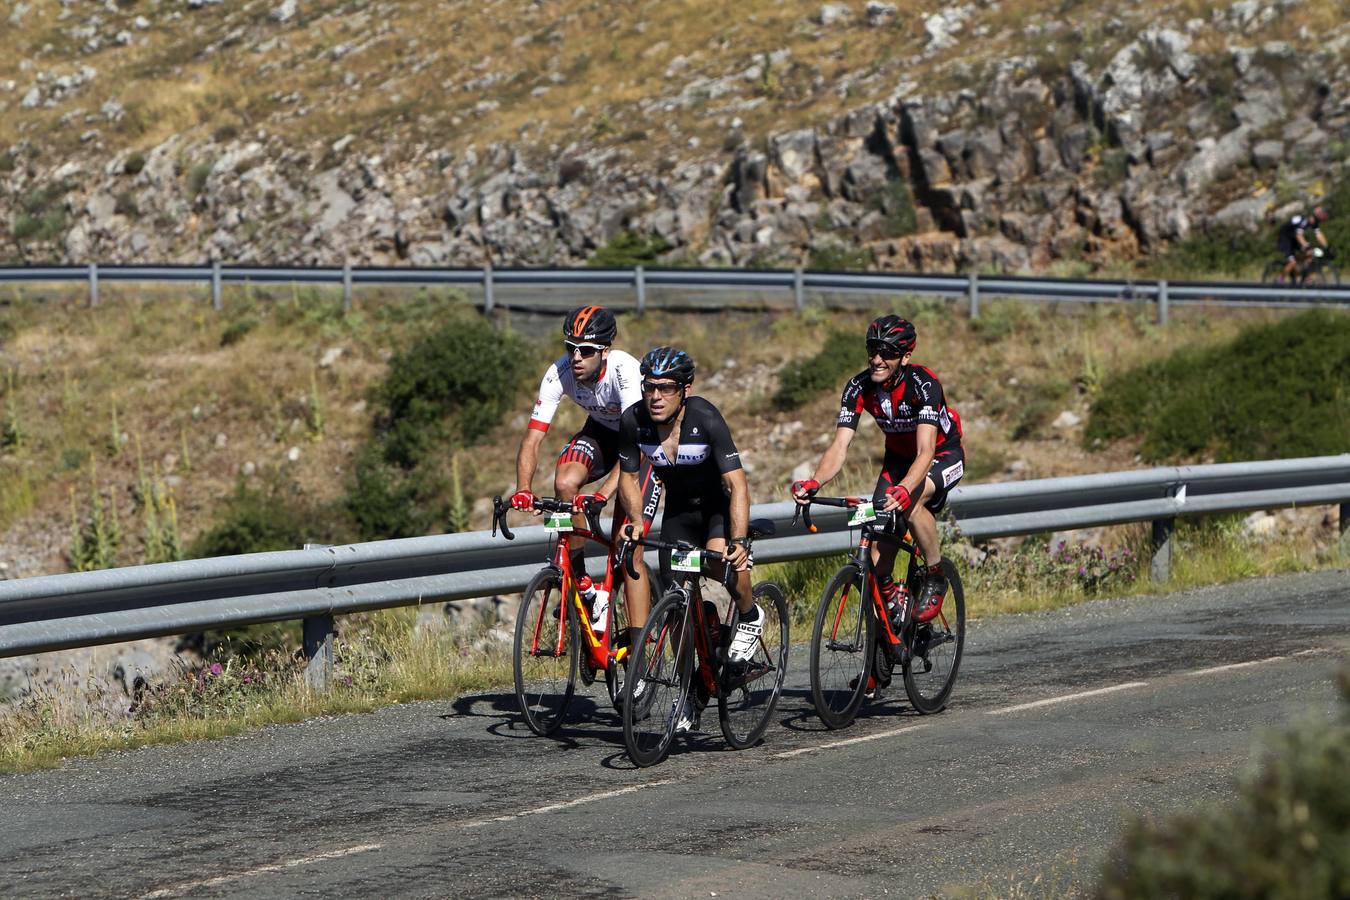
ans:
x=745 y=641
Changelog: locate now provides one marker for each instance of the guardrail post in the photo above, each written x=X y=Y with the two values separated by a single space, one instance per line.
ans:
x=799 y=288
x=640 y=282
x=347 y=286
x=319 y=632
x=488 y=300
x=215 y=285
x=318 y=645
x=1345 y=530
x=1162 y=303
x=93 y=285
x=1164 y=531
x=973 y=293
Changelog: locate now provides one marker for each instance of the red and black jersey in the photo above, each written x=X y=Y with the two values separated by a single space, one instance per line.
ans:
x=899 y=411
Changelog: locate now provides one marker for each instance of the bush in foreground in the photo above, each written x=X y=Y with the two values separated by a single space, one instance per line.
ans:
x=1286 y=836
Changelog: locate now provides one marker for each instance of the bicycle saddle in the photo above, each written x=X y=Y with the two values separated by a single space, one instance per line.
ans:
x=762 y=528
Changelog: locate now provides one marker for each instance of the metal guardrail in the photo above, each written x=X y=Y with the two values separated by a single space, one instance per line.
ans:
x=82 y=609
x=789 y=285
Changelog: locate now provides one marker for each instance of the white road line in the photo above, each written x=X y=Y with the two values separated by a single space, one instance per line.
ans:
x=1231 y=666
x=189 y=886
x=554 y=807
x=857 y=740
x=1067 y=697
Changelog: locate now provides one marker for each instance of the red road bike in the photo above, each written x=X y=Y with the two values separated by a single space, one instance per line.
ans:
x=853 y=636
x=556 y=639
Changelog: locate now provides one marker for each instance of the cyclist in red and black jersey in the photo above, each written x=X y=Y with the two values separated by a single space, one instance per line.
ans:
x=923 y=460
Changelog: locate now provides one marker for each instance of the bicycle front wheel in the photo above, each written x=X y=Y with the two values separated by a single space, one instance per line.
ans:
x=655 y=690
x=935 y=648
x=618 y=628
x=842 y=643
x=545 y=652
x=748 y=691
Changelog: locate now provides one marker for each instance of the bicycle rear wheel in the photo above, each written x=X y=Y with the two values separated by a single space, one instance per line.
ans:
x=659 y=667
x=545 y=651
x=618 y=627
x=936 y=646
x=1273 y=273
x=748 y=691
x=842 y=642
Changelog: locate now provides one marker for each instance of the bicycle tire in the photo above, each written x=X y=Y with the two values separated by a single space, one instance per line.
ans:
x=936 y=647
x=664 y=661
x=618 y=625
x=839 y=669
x=1273 y=273
x=545 y=681
x=1332 y=275
x=746 y=706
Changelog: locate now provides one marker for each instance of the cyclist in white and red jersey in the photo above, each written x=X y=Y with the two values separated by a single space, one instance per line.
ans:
x=604 y=382
x=923 y=460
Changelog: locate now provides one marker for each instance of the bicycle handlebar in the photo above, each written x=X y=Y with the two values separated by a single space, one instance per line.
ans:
x=728 y=578
x=591 y=509
x=804 y=510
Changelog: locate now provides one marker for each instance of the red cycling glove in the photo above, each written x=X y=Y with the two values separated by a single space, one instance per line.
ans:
x=900 y=494
x=804 y=488
x=522 y=500
x=580 y=500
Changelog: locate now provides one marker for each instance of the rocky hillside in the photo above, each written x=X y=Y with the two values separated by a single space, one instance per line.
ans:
x=995 y=134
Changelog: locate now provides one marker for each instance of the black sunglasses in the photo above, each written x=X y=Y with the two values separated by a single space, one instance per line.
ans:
x=586 y=350
x=664 y=388
x=885 y=351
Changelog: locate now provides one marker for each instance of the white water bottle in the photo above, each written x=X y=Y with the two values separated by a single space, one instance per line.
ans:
x=599 y=610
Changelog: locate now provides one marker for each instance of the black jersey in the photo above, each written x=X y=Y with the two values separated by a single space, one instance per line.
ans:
x=705 y=452
x=916 y=400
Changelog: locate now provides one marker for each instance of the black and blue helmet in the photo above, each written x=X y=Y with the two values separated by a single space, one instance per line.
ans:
x=668 y=362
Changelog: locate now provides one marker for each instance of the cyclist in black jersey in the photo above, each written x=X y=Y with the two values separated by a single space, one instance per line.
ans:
x=1292 y=240
x=690 y=447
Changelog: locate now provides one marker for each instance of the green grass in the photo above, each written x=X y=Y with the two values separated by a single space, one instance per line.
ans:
x=1276 y=391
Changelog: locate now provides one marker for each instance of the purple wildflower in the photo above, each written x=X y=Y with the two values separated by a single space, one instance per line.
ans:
x=216 y=669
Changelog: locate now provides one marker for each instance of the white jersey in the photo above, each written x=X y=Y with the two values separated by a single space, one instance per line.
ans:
x=618 y=387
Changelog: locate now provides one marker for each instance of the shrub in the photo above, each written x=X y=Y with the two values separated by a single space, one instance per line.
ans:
x=628 y=249
x=1286 y=835
x=896 y=204
x=236 y=331
x=1230 y=252
x=802 y=380
x=454 y=385
x=134 y=164
x=125 y=205
x=1276 y=391
x=840 y=258
x=197 y=177
x=274 y=516
x=387 y=502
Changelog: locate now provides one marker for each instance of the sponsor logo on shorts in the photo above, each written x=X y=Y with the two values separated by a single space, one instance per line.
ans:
x=953 y=475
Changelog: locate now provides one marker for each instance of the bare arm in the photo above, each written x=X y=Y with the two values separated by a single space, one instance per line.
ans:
x=925 y=439
x=832 y=460
x=527 y=458
x=630 y=494
x=735 y=482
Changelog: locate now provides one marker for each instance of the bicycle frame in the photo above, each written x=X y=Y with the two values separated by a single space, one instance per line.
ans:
x=862 y=557
x=599 y=652
x=707 y=668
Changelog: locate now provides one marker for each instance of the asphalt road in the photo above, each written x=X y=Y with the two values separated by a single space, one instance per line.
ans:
x=1154 y=704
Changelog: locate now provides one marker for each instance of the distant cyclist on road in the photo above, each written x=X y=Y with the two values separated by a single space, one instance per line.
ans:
x=1293 y=238
x=604 y=382
x=923 y=460
x=707 y=495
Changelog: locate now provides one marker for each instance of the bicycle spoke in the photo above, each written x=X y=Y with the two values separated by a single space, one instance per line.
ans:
x=840 y=649
x=748 y=692
x=545 y=653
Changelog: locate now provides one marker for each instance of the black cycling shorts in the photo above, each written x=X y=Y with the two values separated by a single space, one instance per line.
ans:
x=697 y=519
x=945 y=472
x=596 y=447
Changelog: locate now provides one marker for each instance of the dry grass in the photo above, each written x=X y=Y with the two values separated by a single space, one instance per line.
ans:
x=381 y=659
x=421 y=74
